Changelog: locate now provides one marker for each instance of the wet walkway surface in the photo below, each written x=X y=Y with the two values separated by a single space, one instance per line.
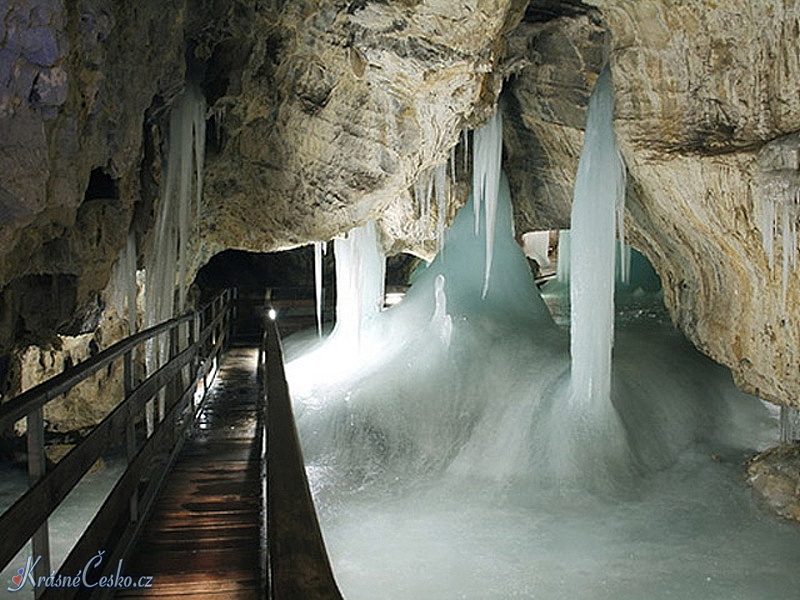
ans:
x=204 y=538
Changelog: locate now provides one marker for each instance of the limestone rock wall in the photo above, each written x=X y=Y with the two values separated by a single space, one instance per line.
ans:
x=702 y=90
x=324 y=113
x=338 y=107
x=545 y=103
x=76 y=79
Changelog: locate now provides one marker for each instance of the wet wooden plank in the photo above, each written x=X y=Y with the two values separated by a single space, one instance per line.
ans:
x=203 y=538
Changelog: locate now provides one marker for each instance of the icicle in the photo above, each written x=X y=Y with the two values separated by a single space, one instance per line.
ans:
x=625 y=253
x=440 y=177
x=598 y=185
x=186 y=114
x=121 y=291
x=487 y=157
x=453 y=166
x=428 y=196
x=562 y=265
x=780 y=205
x=360 y=278
x=199 y=127
x=787 y=250
x=465 y=145
x=318 y=246
x=130 y=281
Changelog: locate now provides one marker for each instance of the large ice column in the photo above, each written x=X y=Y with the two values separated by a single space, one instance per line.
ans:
x=360 y=279
x=599 y=192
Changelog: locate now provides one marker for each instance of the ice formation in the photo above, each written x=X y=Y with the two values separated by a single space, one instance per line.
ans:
x=536 y=244
x=562 y=266
x=167 y=265
x=166 y=268
x=319 y=249
x=599 y=191
x=449 y=457
x=122 y=290
x=432 y=184
x=360 y=275
x=438 y=471
x=487 y=155
x=780 y=204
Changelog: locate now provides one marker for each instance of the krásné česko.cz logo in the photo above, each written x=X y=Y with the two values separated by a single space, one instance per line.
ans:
x=88 y=577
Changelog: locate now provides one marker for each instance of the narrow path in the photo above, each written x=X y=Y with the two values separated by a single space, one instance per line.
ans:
x=204 y=539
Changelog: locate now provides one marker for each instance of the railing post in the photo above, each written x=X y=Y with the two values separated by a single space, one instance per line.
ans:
x=130 y=429
x=37 y=465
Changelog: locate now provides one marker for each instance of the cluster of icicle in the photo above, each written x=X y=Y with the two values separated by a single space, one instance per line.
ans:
x=167 y=264
x=486 y=166
x=433 y=184
x=781 y=211
x=360 y=278
x=182 y=186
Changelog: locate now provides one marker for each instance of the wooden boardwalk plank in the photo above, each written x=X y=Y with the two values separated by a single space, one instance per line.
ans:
x=203 y=538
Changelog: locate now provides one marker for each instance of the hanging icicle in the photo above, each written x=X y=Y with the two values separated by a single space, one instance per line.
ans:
x=487 y=155
x=167 y=263
x=319 y=249
x=360 y=281
x=780 y=193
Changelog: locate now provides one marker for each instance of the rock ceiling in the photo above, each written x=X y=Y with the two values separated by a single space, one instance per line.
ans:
x=324 y=114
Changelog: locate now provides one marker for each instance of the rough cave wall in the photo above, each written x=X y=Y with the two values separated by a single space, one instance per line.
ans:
x=324 y=113
x=76 y=79
x=337 y=108
x=703 y=90
x=707 y=110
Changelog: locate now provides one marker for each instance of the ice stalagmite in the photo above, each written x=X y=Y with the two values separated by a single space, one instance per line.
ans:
x=599 y=189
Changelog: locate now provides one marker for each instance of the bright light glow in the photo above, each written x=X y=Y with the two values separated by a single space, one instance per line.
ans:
x=272 y=314
x=393 y=298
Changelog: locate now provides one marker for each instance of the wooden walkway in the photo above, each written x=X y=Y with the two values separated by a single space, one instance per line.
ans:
x=204 y=539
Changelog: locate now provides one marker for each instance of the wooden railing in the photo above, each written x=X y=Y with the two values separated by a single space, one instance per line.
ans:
x=297 y=563
x=150 y=420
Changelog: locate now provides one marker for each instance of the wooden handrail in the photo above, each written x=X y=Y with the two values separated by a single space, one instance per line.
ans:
x=29 y=400
x=297 y=563
x=206 y=336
